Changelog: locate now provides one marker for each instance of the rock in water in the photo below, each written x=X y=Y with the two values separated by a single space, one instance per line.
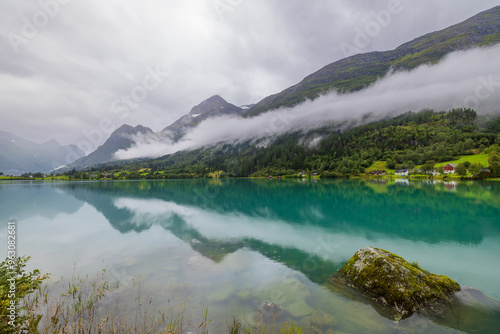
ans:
x=395 y=282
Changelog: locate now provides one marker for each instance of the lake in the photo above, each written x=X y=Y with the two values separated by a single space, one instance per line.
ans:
x=230 y=246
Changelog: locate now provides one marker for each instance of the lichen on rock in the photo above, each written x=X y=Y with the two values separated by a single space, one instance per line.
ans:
x=394 y=282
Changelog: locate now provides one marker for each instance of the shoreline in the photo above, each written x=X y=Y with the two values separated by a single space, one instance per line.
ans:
x=288 y=177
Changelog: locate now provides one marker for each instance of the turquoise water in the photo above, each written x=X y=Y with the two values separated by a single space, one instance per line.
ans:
x=232 y=245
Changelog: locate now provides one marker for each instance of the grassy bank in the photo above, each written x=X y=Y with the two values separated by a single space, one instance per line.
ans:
x=99 y=305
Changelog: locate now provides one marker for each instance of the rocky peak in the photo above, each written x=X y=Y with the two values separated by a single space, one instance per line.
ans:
x=212 y=103
x=128 y=130
x=211 y=107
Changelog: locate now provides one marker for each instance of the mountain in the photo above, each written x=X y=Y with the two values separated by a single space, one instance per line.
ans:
x=359 y=71
x=19 y=156
x=346 y=75
x=410 y=139
x=211 y=107
x=121 y=138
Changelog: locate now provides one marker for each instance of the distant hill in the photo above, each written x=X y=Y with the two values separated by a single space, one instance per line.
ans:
x=359 y=71
x=120 y=139
x=19 y=156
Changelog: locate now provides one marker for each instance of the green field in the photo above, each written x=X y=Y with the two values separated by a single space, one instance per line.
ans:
x=478 y=158
x=378 y=165
x=481 y=158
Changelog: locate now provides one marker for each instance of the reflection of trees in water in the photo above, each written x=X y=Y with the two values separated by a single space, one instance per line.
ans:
x=420 y=211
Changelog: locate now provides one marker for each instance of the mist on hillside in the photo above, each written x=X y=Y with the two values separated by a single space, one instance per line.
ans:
x=467 y=79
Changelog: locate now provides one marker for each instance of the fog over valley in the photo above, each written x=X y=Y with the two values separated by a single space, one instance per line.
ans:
x=464 y=79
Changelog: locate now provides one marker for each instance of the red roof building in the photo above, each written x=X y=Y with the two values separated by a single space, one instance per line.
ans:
x=449 y=168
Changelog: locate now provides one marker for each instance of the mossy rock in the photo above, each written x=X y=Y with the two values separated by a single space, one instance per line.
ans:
x=394 y=282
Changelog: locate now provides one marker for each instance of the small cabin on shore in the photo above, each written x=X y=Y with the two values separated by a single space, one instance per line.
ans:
x=484 y=172
x=401 y=172
x=377 y=172
x=449 y=168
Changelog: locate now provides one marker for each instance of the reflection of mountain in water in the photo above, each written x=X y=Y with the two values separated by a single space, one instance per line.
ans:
x=28 y=199
x=127 y=214
x=419 y=212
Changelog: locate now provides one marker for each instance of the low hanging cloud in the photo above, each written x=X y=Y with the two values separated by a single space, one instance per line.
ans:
x=467 y=79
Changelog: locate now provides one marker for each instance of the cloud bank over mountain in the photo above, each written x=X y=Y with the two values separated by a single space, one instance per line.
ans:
x=469 y=79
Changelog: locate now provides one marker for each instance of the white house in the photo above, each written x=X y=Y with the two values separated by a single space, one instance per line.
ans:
x=402 y=172
x=449 y=168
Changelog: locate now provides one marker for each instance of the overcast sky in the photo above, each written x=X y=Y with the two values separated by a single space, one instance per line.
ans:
x=76 y=69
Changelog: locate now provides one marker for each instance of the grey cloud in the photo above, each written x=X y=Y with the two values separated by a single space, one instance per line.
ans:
x=64 y=80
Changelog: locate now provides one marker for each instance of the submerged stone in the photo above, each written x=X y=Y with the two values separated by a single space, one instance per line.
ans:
x=317 y=320
x=321 y=318
x=394 y=282
x=222 y=293
x=271 y=313
x=299 y=309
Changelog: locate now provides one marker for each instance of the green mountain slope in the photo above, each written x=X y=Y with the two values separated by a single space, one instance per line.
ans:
x=357 y=72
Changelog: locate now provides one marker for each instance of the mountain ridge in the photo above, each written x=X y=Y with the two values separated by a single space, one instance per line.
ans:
x=121 y=138
x=361 y=70
x=211 y=107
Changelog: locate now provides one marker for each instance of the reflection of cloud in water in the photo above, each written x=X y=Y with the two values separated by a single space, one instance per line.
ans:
x=319 y=241
x=146 y=213
x=312 y=211
x=310 y=239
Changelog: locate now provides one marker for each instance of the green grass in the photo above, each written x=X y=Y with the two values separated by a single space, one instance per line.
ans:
x=378 y=165
x=99 y=305
x=481 y=158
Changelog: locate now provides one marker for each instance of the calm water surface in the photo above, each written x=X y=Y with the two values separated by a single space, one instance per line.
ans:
x=233 y=245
